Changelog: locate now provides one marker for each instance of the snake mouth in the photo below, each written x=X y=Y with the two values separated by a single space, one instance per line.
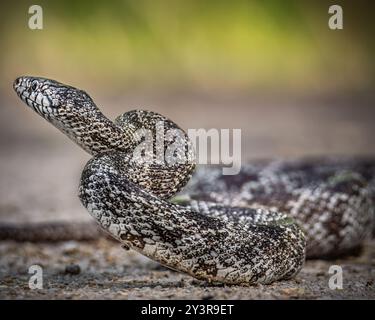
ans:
x=26 y=90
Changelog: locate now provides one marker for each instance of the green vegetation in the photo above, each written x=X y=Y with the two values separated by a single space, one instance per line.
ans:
x=240 y=45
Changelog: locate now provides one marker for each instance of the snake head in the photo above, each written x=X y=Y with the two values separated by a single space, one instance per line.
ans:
x=52 y=99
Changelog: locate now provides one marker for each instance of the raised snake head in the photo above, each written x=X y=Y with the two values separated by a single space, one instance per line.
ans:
x=51 y=99
x=70 y=110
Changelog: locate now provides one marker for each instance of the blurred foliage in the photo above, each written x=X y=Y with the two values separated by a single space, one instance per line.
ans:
x=282 y=45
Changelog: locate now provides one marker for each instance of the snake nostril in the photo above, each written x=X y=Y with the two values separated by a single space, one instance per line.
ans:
x=17 y=82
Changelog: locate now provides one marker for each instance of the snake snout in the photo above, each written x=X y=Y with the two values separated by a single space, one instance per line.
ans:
x=20 y=85
x=17 y=83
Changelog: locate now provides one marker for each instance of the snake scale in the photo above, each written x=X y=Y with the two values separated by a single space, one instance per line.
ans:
x=254 y=227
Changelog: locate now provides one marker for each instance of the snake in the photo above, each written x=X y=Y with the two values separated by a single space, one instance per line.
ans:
x=255 y=227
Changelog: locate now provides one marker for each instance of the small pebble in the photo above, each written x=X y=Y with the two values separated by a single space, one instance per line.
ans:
x=73 y=269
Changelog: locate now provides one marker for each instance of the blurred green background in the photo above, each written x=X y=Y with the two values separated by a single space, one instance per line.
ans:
x=270 y=68
x=255 y=46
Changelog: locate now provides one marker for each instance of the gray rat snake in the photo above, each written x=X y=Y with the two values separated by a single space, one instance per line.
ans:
x=256 y=227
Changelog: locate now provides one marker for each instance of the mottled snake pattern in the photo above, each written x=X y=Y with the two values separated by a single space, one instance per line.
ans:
x=254 y=227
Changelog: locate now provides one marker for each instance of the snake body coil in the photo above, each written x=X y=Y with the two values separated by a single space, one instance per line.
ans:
x=231 y=229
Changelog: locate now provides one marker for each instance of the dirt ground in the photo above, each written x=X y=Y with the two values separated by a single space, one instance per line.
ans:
x=103 y=270
x=40 y=170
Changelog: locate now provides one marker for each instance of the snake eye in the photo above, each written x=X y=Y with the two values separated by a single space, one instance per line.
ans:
x=34 y=85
